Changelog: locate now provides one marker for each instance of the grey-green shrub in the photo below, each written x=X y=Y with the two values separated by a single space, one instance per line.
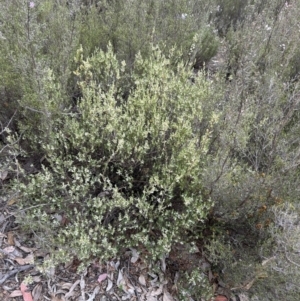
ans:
x=132 y=27
x=255 y=161
x=47 y=35
x=110 y=150
x=124 y=173
x=36 y=40
x=228 y=13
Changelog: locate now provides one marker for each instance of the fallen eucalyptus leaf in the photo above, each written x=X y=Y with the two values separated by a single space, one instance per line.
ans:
x=157 y=292
x=70 y=293
x=135 y=255
x=167 y=296
x=37 y=292
x=151 y=298
x=29 y=259
x=11 y=202
x=3 y=175
x=109 y=284
x=130 y=289
x=25 y=292
x=115 y=265
x=1 y=234
x=120 y=279
x=10 y=238
x=121 y=282
x=16 y=293
x=66 y=286
x=142 y=280
x=249 y=285
x=126 y=297
x=163 y=263
x=102 y=277
x=95 y=292
x=10 y=249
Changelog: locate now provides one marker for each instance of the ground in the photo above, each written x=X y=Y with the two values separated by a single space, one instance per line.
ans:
x=127 y=278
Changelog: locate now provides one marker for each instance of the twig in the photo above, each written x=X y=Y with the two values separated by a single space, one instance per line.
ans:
x=69 y=294
x=9 y=122
x=15 y=271
x=289 y=260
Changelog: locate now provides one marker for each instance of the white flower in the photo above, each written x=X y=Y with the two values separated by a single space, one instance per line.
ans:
x=268 y=28
x=183 y=16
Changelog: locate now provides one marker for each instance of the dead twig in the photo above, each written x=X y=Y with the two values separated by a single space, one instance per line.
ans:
x=15 y=271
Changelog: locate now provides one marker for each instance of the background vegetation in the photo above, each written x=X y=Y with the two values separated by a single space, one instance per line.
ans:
x=147 y=123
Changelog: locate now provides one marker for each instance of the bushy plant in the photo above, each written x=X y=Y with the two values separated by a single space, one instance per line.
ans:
x=228 y=13
x=137 y=151
x=40 y=36
x=254 y=166
x=37 y=37
x=132 y=27
x=124 y=173
x=195 y=285
x=282 y=264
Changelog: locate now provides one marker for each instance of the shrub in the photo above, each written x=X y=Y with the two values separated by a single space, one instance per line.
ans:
x=45 y=37
x=254 y=159
x=148 y=154
x=131 y=28
x=282 y=264
x=124 y=173
x=229 y=14
x=35 y=40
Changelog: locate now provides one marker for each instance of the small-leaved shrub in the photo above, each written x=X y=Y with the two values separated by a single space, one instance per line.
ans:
x=136 y=151
x=123 y=173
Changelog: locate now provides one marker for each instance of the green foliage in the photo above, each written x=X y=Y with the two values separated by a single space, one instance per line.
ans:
x=193 y=285
x=45 y=37
x=131 y=28
x=35 y=40
x=283 y=264
x=137 y=150
x=228 y=13
x=125 y=173
x=255 y=165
